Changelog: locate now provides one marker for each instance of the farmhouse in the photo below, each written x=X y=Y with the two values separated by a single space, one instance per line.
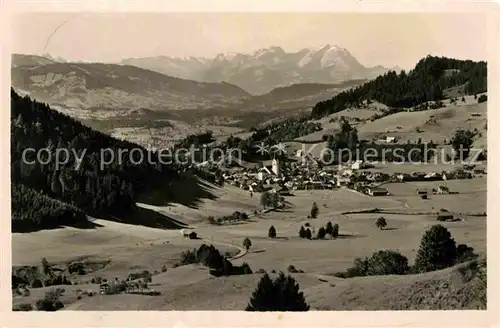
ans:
x=421 y=192
x=433 y=176
x=443 y=190
x=377 y=191
x=357 y=165
x=103 y=288
x=264 y=173
x=445 y=216
x=390 y=139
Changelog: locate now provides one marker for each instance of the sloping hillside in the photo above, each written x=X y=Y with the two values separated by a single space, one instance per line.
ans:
x=426 y=82
x=85 y=177
x=101 y=86
x=191 y=288
x=30 y=60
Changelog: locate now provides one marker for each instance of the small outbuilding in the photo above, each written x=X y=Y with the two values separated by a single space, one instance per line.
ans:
x=377 y=191
x=445 y=216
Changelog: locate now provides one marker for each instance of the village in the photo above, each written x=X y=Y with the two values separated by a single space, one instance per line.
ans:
x=304 y=172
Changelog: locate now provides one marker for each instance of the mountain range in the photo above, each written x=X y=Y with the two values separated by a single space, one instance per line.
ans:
x=101 y=90
x=265 y=69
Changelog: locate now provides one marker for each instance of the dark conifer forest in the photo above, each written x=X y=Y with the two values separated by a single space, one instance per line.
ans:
x=426 y=82
x=44 y=195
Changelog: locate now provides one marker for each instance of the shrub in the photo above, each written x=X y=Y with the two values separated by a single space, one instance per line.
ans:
x=22 y=307
x=329 y=228
x=247 y=243
x=265 y=199
x=465 y=253
x=26 y=292
x=163 y=268
x=36 y=283
x=272 y=232
x=57 y=280
x=437 y=250
x=96 y=280
x=383 y=262
x=381 y=223
x=209 y=256
x=386 y=262
x=462 y=141
x=292 y=269
x=335 y=232
x=282 y=294
x=245 y=268
x=146 y=275
x=51 y=301
x=77 y=267
x=314 y=211
x=307 y=224
x=482 y=98
x=115 y=287
x=188 y=257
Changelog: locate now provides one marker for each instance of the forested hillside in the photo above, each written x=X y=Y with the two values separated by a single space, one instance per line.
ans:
x=426 y=82
x=89 y=187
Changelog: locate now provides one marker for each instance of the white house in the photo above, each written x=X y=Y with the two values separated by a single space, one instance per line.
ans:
x=357 y=165
x=390 y=139
x=263 y=173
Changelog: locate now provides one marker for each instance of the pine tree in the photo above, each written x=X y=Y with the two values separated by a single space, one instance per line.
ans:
x=437 y=250
x=282 y=294
x=272 y=232
x=262 y=297
x=302 y=232
x=314 y=211
x=321 y=233
x=308 y=234
x=381 y=223
x=335 y=232
x=247 y=243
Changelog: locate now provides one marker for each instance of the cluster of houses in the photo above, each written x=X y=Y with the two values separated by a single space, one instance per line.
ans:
x=307 y=174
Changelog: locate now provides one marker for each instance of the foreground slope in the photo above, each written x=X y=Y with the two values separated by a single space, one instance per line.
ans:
x=459 y=288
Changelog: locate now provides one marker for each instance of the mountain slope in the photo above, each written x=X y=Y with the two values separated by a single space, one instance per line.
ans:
x=265 y=69
x=102 y=86
x=86 y=178
x=427 y=82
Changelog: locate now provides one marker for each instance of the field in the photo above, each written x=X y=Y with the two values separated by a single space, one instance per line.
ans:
x=116 y=249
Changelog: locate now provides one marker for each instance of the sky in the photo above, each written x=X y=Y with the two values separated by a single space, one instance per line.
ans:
x=374 y=39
